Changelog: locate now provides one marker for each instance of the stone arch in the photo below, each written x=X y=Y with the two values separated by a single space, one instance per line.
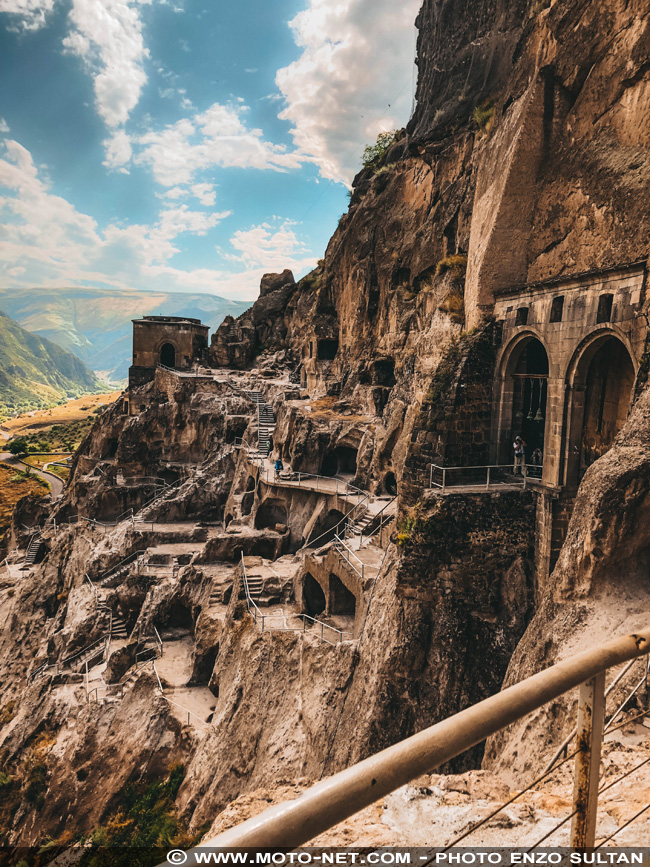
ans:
x=600 y=386
x=313 y=598
x=343 y=459
x=270 y=512
x=522 y=394
x=324 y=530
x=168 y=354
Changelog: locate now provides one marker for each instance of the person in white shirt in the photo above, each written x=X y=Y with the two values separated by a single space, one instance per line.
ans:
x=520 y=456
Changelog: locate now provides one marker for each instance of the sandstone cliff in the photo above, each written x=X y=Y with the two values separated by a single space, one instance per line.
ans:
x=527 y=158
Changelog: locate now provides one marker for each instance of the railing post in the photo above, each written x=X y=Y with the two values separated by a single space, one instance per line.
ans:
x=444 y=480
x=487 y=486
x=589 y=739
x=525 y=471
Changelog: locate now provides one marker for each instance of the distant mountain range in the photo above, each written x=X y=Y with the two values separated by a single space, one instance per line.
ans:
x=95 y=324
x=33 y=370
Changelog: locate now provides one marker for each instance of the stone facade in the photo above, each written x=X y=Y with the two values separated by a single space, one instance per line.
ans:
x=592 y=333
x=175 y=342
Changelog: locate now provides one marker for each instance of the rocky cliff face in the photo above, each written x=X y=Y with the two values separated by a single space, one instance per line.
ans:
x=527 y=158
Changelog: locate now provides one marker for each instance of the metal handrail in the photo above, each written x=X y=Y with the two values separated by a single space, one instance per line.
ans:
x=487 y=467
x=130 y=558
x=332 y=800
x=159 y=495
x=341 y=632
x=347 y=552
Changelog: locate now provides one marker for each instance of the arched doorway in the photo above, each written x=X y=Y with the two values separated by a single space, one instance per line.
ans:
x=312 y=596
x=325 y=529
x=168 y=355
x=599 y=400
x=524 y=398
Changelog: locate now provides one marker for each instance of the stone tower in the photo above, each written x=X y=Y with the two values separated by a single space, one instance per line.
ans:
x=173 y=341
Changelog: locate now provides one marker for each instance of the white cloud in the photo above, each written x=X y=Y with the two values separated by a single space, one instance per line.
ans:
x=270 y=247
x=47 y=242
x=4 y=126
x=205 y=193
x=118 y=151
x=357 y=58
x=27 y=14
x=216 y=137
x=107 y=36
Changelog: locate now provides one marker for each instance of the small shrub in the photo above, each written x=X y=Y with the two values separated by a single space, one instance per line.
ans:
x=373 y=153
x=7 y=713
x=384 y=170
x=456 y=263
x=484 y=117
x=454 y=305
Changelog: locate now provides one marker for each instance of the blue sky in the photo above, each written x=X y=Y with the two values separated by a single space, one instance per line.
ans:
x=186 y=144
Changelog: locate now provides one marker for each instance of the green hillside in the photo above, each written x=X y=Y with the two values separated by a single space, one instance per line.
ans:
x=95 y=324
x=34 y=372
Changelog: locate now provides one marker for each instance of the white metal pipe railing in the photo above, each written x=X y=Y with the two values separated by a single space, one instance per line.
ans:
x=349 y=556
x=336 y=798
x=490 y=476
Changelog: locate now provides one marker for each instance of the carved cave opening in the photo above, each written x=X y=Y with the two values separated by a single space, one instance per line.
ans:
x=324 y=530
x=271 y=512
x=312 y=596
x=327 y=349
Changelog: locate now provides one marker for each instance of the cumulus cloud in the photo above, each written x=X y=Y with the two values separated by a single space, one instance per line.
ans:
x=27 y=14
x=216 y=137
x=118 y=151
x=4 y=126
x=47 y=242
x=271 y=246
x=352 y=81
x=107 y=36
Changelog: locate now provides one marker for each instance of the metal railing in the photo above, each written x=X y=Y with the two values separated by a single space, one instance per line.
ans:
x=342 y=634
x=334 y=799
x=266 y=621
x=120 y=567
x=349 y=556
x=487 y=478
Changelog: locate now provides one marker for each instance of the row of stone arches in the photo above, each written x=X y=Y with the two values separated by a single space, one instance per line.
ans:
x=570 y=416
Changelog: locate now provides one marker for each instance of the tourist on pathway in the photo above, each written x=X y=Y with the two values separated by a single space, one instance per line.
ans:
x=520 y=456
x=279 y=466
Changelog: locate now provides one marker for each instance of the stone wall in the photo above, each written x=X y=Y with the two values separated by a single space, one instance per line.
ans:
x=453 y=427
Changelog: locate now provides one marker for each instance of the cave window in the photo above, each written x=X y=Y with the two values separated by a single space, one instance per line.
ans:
x=522 y=316
x=247 y=503
x=125 y=407
x=324 y=530
x=383 y=371
x=112 y=448
x=312 y=596
x=168 y=355
x=311 y=348
x=327 y=349
x=557 y=308
x=271 y=512
x=342 y=460
x=342 y=600
x=228 y=520
x=605 y=303
x=390 y=484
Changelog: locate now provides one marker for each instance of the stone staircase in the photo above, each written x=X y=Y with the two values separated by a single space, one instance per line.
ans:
x=118 y=627
x=33 y=549
x=265 y=420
